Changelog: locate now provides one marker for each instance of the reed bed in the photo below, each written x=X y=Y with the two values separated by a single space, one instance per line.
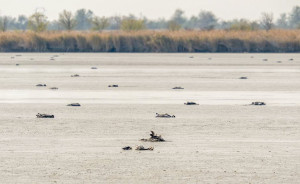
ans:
x=152 y=41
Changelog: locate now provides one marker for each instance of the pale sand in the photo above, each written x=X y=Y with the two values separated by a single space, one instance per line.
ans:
x=223 y=140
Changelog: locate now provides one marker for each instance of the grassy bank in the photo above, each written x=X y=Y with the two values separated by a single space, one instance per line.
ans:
x=152 y=41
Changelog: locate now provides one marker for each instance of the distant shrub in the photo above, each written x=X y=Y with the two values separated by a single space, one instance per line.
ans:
x=244 y=25
x=173 y=26
x=100 y=23
x=132 y=25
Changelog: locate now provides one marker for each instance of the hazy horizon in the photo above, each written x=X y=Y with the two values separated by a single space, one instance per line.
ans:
x=154 y=9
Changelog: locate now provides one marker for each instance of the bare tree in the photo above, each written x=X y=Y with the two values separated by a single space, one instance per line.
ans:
x=67 y=20
x=100 y=23
x=38 y=22
x=267 y=21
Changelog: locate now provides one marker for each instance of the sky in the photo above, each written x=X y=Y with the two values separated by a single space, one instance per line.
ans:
x=153 y=9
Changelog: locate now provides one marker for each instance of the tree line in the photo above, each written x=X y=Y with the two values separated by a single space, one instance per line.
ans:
x=84 y=20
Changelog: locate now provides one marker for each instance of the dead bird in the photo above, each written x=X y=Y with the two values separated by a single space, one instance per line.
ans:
x=54 y=88
x=113 y=86
x=191 y=103
x=74 y=104
x=178 y=87
x=243 y=77
x=44 y=116
x=258 y=103
x=142 y=148
x=41 y=85
x=154 y=138
x=164 y=115
x=75 y=75
x=127 y=148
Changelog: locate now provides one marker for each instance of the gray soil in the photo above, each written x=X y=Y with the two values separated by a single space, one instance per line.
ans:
x=221 y=140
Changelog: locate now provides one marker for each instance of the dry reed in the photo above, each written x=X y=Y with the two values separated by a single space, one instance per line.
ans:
x=152 y=41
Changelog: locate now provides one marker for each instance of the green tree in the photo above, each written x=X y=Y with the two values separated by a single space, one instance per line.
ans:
x=115 y=22
x=254 y=25
x=207 y=20
x=3 y=23
x=100 y=23
x=192 y=23
x=156 y=24
x=294 y=18
x=55 y=25
x=67 y=20
x=37 y=22
x=178 y=17
x=282 y=22
x=132 y=25
x=22 y=22
x=83 y=18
